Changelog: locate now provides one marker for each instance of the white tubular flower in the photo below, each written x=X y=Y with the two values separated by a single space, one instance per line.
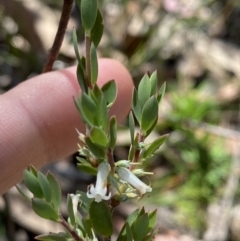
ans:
x=100 y=190
x=129 y=177
x=75 y=200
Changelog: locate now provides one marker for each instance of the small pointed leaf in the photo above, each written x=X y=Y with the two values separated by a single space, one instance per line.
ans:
x=103 y=113
x=149 y=114
x=87 y=169
x=33 y=170
x=154 y=82
x=132 y=217
x=81 y=78
x=97 y=151
x=94 y=64
x=56 y=191
x=99 y=137
x=88 y=110
x=45 y=186
x=144 y=90
x=31 y=181
x=155 y=145
x=97 y=30
x=110 y=91
x=140 y=227
x=44 y=209
x=131 y=126
x=75 y=45
x=152 y=219
x=123 y=233
x=88 y=13
x=70 y=210
x=161 y=92
x=53 y=237
x=136 y=106
x=24 y=195
x=96 y=94
x=129 y=233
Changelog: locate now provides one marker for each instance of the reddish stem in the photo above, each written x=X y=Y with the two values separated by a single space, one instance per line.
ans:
x=70 y=230
x=53 y=54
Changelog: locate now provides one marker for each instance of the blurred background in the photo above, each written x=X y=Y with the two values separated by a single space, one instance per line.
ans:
x=195 y=47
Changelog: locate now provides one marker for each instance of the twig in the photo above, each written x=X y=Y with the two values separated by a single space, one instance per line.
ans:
x=111 y=160
x=70 y=230
x=53 y=54
x=137 y=152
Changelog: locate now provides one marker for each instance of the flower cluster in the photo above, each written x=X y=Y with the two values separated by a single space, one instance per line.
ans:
x=100 y=191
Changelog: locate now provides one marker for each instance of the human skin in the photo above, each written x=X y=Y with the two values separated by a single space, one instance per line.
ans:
x=38 y=118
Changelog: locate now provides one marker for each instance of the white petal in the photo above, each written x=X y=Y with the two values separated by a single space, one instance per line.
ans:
x=129 y=177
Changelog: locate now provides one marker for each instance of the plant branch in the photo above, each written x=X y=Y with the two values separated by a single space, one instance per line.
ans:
x=70 y=230
x=53 y=54
x=111 y=160
x=137 y=152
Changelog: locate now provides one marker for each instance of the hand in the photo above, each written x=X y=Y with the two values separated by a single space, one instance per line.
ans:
x=38 y=118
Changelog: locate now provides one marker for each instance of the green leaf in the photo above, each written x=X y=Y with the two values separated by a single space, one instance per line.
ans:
x=103 y=113
x=70 y=210
x=131 y=126
x=154 y=82
x=161 y=92
x=155 y=145
x=112 y=132
x=56 y=191
x=44 y=209
x=85 y=202
x=81 y=78
x=152 y=216
x=123 y=233
x=97 y=30
x=96 y=94
x=87 y=169
x=45 y=186
x=94 y=64
x=75 y=45
x=88 y=110
x=129 y=233
x=144 y=90
x=141 y=212
x=99 y=137
x=136 y=106
x=133 y=147
x=132 y=217
x=101 y=218
x=87 y=226
x=88 y=13
x=33 y=170
x=110 y=91
x=152 y=128
x=31 y=182
x=140 y=227
x=149 y=114
x=24 y=195
x=131 y=152
x=53 y=237
x=97 y=151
